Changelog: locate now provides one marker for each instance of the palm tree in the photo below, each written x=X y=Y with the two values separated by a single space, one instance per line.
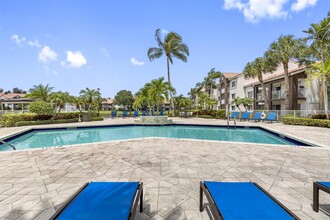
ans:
x=171 y=46
x=211 y=102
x=159 y=91
x=246 y=102
x=257 y=68
x=78 y=102
x=193 y=95
x=89 y=96
x=208 y=82
x=58 y=99
x=202 y=98
x=286 y=47
x=319 y=36
x=322 y=71
x=41 y=92
x=237 y=101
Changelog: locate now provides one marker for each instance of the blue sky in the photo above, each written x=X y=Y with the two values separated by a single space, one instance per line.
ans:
x=103 y=44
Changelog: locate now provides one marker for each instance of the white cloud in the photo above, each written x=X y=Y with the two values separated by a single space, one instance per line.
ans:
x=300 y=5
x=46 y=54
x=255 y=10
x=136 y=62
x=19 y=40
x=74 y=59
x=34 y=43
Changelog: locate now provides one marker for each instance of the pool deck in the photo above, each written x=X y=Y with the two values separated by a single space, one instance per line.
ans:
x=34 y=183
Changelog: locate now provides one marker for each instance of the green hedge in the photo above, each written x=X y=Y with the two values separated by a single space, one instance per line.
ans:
x=306 y=122
x=221 y=113
x=97 y=119
x=206 y=116
x=26 y=123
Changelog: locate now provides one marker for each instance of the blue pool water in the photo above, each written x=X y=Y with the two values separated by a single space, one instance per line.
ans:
x=60 y=137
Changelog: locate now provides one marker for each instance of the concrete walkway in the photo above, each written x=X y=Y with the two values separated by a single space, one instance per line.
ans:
x=34 y=183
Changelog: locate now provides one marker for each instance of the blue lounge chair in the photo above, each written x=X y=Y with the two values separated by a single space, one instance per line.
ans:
x=144 y=113
x=245 y=200
x=257 y=116
x=113 y=114
x=245 y=116
x=136 y=113
x=317 y=186
x=161 y=113
x=271 y=116
x=124 y=115
x=234 y=115
x=103 y=200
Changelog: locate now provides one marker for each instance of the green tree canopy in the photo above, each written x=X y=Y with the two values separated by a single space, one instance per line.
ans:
x=41 y=92
x=41 y=108
x=124 y=98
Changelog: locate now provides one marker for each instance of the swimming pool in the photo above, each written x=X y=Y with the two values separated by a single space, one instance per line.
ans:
x=40 y=138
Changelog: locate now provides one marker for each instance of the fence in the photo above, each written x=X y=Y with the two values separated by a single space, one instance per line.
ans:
x=282 y=113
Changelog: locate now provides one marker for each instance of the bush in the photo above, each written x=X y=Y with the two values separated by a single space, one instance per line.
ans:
x=9 y=120
x=97 y=119
x=26 y=123
x=41 y=108
x=205 y=116
x=221 y=113
x=68 y=115
x=319 y=116
x=306 y=122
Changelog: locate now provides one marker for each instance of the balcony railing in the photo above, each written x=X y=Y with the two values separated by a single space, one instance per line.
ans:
x=277 y=94
x=260 y=96
x=301 y=93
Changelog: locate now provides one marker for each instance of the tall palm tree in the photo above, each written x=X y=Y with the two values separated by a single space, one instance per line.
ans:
x=89 y=96
x=173 y=47
x=286 y=47
x=319 y=36
x=78 y=102
x=41 y=92
x=257 y=68
x=237 y=101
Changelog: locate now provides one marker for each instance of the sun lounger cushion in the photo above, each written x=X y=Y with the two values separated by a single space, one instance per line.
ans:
x=244 y=201
x=326 y=184
x=102 y=200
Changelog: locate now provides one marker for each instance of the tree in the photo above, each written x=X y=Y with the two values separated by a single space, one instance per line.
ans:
x=237 y=101
x=41 y=92
x=208 y=83
x=257 y=68
x=202 y=98
x=321 y=71
x=286 y=47
x=319 y=36
x=1 y=90
x=89 y=96
x=41 y=108
x=172 y=47
x=124 y=98
x=211 y=103
x=246 y=102
x=78 y=102
x=159 y=91
x=193 y=95
x=18 y=90
x=58 y=99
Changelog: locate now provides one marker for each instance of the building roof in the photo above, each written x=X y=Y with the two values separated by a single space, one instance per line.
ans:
x=11 y=95
x=229 y=75
x=108 y=101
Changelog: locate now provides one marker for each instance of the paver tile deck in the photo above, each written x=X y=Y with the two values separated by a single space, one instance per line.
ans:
x=34 y=183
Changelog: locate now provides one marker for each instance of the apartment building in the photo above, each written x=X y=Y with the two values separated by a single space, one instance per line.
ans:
x=303 y=94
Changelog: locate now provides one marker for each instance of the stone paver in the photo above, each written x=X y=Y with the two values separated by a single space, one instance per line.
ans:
x=34 y=183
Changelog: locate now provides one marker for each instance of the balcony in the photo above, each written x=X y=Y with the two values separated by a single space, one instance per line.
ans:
x=222 y=101
x=260 y=96
x=277 y=94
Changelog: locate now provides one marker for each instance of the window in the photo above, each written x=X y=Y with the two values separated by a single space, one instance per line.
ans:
x=233 y=84
x=233 y=96
x=233 y=107
x=250 y=94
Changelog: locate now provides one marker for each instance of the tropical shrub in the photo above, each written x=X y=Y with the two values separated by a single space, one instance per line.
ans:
x=206 y=116
x=319 y=116
x=41 y=108
x=306 y=122
x=26 y=123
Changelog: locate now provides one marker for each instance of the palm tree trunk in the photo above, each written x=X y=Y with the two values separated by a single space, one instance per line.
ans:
x=286 y=85
x=264 y=91
x=169 y=82
x=325 y=96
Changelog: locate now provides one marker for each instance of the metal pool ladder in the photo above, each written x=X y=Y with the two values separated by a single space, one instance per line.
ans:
x=234 y=122
x=10 y=145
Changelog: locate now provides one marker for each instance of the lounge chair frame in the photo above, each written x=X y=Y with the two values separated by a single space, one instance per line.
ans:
x=138 y=196
x=216 y=212
x=316 y=194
